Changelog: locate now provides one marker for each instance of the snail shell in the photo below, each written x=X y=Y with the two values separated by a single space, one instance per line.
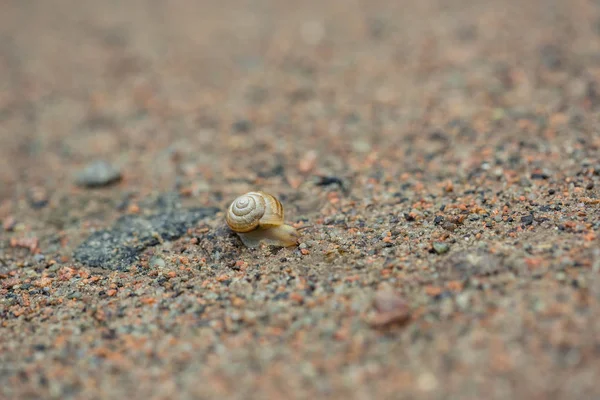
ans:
x=253 y=210
x=258 y=217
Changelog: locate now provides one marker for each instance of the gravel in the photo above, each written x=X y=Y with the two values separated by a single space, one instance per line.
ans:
x=440 y=159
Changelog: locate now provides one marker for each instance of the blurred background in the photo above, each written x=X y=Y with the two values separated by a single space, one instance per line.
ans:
x=198 y=93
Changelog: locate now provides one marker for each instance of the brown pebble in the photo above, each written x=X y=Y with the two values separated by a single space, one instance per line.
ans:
x=9 y=223
x=449 y=226
x=308 y=161
x=298 y=298
x=449 y=187
x=391 y=309
x=433 y=290
x=28 y=243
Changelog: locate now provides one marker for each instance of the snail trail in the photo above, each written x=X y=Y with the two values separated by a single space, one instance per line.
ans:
x=118 y=247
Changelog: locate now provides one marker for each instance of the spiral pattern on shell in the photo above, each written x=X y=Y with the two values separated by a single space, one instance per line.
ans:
x=253 y=210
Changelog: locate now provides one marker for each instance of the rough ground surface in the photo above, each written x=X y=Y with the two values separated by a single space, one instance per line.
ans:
x=441 y=156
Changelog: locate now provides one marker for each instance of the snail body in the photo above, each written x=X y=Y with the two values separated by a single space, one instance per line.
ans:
x=258 y=217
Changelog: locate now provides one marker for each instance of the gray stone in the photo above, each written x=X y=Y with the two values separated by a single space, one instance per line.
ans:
x=118 y=247
x=98 y=173
x=440 y=248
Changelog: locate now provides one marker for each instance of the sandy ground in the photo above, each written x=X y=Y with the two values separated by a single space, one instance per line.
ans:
x=440 y=157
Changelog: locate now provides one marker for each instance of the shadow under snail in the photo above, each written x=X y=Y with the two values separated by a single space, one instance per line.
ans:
x=258 y=217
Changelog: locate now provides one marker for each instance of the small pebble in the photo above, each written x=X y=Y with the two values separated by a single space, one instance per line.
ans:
x=54 y=267
x=242 y=126
x=391 y=309
x=331 y=180
x=75 y=295
x=98 y=173
x=552 y=57
x=527 y=220
x=361 y=146
x=539 y=176
x=525 y=182
x=308 y=161
x=37 y=197
x=463 y=300
x=449 y=226
x=9 y=223
x=440 y=248
x=157 y=262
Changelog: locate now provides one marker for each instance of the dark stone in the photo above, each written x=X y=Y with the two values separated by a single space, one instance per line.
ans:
x=438 y=136
x=277 y=170
x=332 y=180
x=527 y=220
x=301 y=95
x=242 y=126
x=552 y=57
x=446 y=294
x=39 y=347
x=377 y=28
x=281 y=296
x=37 y=197
x=592 y=94
x=539 y=176
x=109 y=334
x=467 y=33
x=118 y=247
x=329 y=180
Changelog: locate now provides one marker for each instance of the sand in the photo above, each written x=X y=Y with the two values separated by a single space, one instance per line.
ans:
x=441 y=160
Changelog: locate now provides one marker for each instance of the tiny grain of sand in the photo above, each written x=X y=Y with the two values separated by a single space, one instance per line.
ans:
x=442 y=159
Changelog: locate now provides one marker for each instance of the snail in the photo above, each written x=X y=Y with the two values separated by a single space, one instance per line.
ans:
x=258 y=217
